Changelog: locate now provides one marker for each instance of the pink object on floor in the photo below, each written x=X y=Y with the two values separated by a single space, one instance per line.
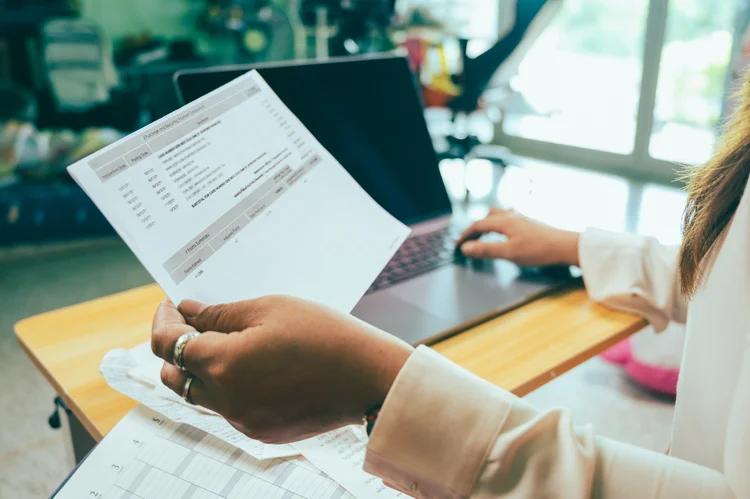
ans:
x=655 y=378
x=618 y=354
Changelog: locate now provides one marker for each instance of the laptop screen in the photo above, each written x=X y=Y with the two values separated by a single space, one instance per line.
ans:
x=367 y=113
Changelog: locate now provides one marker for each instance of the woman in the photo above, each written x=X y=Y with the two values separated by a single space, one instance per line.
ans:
x=289 y=369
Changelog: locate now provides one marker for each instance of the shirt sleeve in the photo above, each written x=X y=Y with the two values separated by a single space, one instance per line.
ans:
x=444 y=433
x=737 y=449
x=634 y=274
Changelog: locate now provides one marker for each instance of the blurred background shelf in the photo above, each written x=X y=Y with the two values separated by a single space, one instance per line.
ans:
x=45 y=213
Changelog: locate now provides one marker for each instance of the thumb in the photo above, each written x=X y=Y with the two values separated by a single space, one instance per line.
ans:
x=224 y=318
x=482 y=249
x=191 y=308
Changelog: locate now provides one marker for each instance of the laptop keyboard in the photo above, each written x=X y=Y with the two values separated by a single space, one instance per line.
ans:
x=418 y=254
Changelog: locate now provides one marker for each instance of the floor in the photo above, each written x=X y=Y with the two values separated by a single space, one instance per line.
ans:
x=34 y=459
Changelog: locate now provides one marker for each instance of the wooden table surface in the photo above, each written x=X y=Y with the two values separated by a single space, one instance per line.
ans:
x=518 y=351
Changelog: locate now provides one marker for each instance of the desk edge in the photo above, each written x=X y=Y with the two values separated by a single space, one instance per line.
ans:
x=82 y=417
x=578 y=359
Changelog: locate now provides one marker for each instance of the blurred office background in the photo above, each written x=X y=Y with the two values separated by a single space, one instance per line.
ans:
x=575 y=112
x=634 y=89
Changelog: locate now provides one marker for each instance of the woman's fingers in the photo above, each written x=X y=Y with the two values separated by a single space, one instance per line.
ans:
x=496 y=210
x=200 y=353
x=167 y=313
x=227 y=317
x=482 y=249
x=191 y=308
x=494 y=223
x=175 y=379
x=164 y=336
x=167 y=326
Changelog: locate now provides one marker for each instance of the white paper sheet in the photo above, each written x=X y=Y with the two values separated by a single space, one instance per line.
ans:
x=136 y=374
x=231 y=198
x=147 y=456
x=340 y=454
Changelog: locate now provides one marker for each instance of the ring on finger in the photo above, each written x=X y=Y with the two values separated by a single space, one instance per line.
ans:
x=186 y=389
x=179 y=349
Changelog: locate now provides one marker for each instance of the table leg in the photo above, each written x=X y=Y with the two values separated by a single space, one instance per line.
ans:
x=80 y=442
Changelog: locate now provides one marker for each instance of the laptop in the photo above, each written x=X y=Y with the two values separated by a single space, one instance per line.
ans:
x=367 y=112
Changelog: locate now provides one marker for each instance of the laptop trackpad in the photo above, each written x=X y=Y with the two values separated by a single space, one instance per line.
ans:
x=460 y=293
x=401 y=319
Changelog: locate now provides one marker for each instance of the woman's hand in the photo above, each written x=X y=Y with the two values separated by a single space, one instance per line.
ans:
x=529 y=243
x=279 y=369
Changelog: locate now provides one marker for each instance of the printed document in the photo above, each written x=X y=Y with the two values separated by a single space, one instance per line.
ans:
x=341 y=454
x=147 y=456
x=231 y=198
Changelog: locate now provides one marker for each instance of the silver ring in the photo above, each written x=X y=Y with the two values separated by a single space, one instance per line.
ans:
x=179 y=349
x=186 y=389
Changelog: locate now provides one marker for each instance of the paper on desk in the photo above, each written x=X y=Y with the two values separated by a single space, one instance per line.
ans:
x=340 y=454
x=231 y=198
x=150 y=457
x=135 y=373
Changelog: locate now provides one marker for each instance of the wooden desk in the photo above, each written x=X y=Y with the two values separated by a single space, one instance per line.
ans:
x=518 y=351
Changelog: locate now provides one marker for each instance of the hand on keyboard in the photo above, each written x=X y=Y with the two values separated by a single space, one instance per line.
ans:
x=528 y=243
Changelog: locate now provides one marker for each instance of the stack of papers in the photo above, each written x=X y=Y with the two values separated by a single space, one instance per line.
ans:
x=216 y=200
x=339 y=454
x=150 y=457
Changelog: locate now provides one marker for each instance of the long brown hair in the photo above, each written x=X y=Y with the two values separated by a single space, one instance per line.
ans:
x=714 y=192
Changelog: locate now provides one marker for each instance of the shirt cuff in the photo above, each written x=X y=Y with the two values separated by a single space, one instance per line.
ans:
x=436 y=428
x=597 y=247
x=630 y=273
x=606 y=261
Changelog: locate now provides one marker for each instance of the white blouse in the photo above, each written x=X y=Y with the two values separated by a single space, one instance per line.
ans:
x=445 y=433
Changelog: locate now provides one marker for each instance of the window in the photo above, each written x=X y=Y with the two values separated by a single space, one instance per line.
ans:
x=579 y=84
x=631 y=87
x=692 y=79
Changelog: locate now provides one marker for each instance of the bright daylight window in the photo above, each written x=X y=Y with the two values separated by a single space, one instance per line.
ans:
x=692 y=79
x=580 y=84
